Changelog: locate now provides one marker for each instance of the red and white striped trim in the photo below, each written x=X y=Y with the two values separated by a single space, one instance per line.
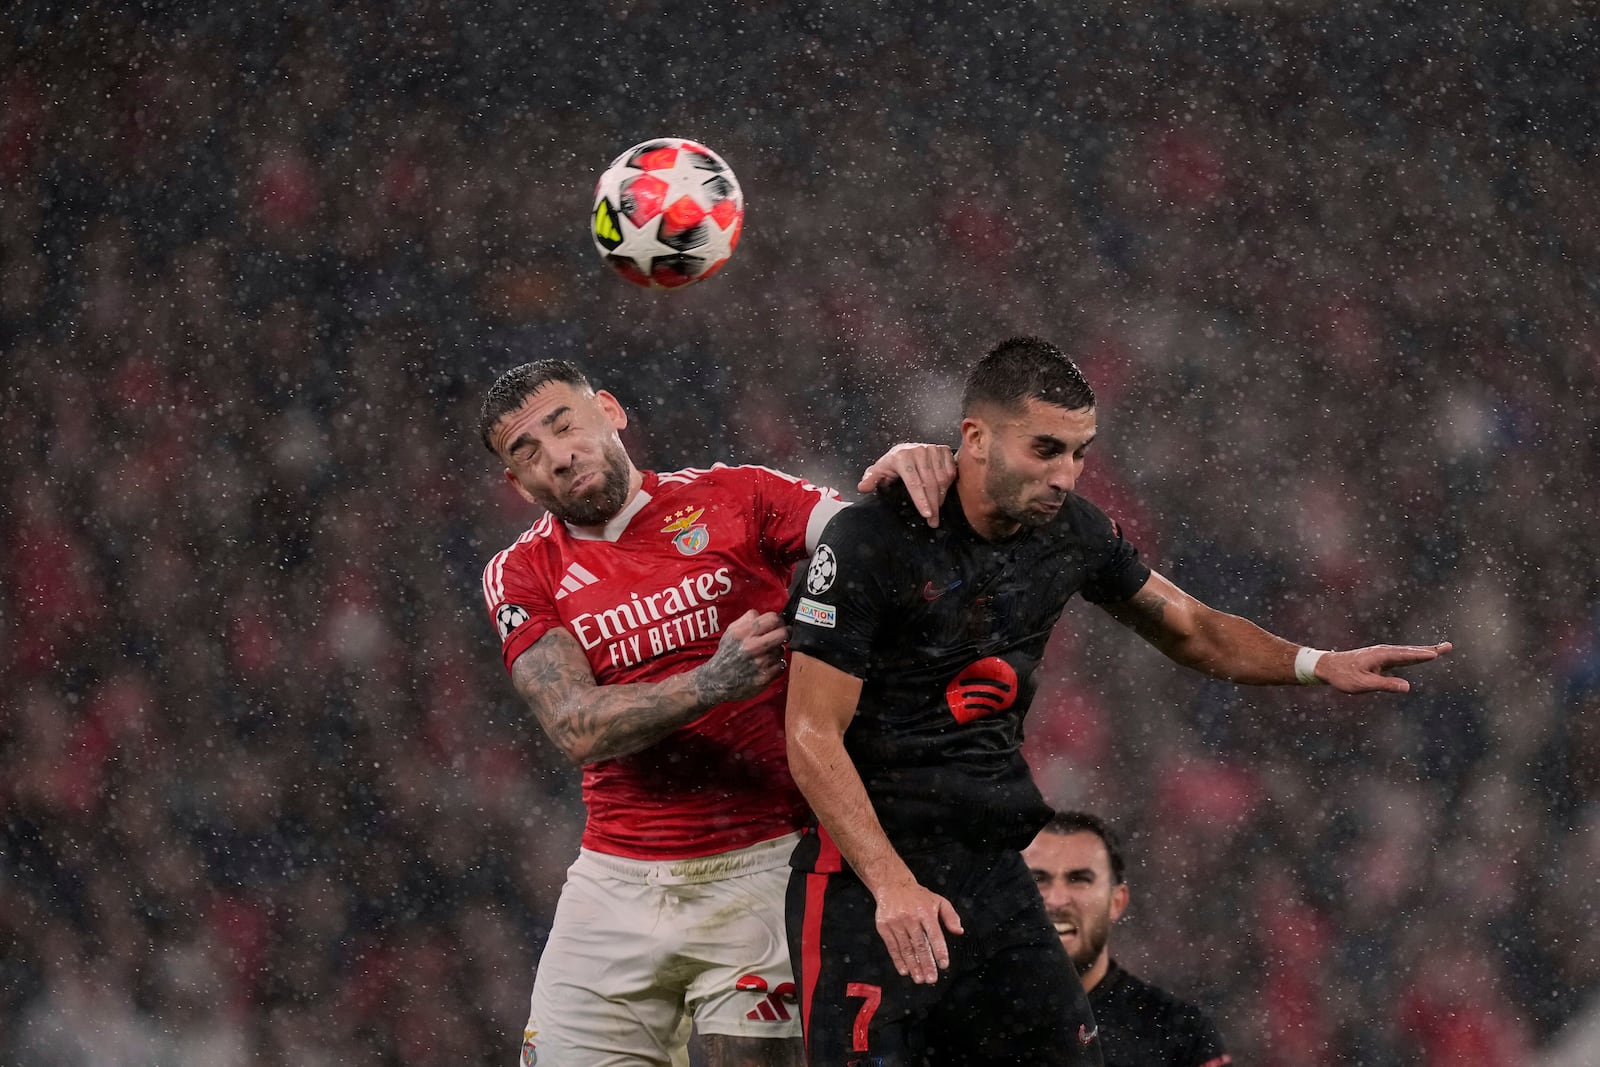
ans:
x=494 y=575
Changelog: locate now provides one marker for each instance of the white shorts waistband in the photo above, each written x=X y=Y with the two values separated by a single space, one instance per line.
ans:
x=763 y=856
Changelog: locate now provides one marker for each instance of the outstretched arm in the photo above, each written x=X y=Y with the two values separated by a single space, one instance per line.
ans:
x=591 y=722
x=1236 y=649
x=911 y=919
x=928 y=471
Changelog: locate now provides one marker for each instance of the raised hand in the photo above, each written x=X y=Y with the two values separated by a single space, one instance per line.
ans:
x=928 y=471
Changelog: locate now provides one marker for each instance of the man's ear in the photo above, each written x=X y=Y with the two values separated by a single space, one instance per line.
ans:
x=612 y=408
x=1119 y=901
x=975 y=438
x=523 y=493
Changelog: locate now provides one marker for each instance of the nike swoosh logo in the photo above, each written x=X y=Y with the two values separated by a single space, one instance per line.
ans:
x=930 y=593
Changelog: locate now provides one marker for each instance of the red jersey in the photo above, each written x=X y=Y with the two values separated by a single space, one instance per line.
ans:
x=648 y=599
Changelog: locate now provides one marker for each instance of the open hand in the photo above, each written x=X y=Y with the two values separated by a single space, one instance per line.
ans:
x=912 y=921
x=1365 y=670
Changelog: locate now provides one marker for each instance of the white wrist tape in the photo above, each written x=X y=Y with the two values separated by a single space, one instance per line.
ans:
x=1305 y=665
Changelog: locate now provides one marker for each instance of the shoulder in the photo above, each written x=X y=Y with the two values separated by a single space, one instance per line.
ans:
x=1136 y=988
x=865 y=544
x=724 y=474
x=720 y=479
x=518 y=575
x=525 y=550
x=1148 y=1001
x=877 y=523
x=1084 y=517
x=889 y=508
x=669 y=481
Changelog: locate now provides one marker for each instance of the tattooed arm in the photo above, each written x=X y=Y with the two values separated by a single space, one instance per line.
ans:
x=591 y=722
x=1237 y=650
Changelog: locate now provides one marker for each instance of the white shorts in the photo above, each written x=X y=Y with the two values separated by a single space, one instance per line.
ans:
x=640 y=950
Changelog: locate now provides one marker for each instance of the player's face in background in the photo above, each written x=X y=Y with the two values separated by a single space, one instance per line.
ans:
x=1035 y=456
x=562 y=452
x=1073 y=873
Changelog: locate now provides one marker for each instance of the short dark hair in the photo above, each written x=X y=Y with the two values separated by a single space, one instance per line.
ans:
x=1022 y=369
x=513 y=388
x=1083 y=822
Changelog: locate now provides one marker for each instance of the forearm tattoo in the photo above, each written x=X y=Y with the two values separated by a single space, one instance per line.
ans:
x=589 y=722
x=727 y=675
x=1147 y=613
x=1152 y=606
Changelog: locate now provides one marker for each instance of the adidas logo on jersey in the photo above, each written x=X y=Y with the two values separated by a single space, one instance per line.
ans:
x=576 y=578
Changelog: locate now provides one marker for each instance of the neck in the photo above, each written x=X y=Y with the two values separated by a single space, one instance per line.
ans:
x=1094 y=974
x=635 y=483
x=981 y=512
x=976 y=504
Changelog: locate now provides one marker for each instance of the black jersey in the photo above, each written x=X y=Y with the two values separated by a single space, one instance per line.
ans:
x=1142 y=1026
x=946 y=630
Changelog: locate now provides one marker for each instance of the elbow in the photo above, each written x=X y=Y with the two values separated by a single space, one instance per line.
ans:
x=1207 y=661
x=575 y=747
x=795 y=750
x=573 y=750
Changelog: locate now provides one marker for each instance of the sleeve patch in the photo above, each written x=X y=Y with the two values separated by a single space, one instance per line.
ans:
x=507 y=617
x=816 y=614
x=820 y=575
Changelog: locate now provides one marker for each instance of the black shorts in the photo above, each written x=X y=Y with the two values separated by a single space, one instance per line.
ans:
x=1011 y=995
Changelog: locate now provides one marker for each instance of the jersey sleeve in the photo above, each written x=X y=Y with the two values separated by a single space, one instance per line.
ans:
x=519 y=608
x=1120 y=573
x=843 y=596
x=793 y=513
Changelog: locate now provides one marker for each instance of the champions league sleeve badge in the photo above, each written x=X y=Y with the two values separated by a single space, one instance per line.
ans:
x=819 y=576
x=507 y=617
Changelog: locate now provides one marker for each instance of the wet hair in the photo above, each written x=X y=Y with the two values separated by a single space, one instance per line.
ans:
x=1022 y=369
x=1083 y=822
x=513 y=388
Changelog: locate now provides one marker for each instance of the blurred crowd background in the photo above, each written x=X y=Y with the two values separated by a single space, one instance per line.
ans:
x=266 y=796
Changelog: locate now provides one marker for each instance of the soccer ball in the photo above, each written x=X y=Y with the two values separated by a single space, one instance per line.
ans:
x=667 y=212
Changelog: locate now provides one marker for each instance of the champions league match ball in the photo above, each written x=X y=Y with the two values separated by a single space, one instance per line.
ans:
x=667 y=213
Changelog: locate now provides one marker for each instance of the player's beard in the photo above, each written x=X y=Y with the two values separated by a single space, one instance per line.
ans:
x=1093 y=932
x=1009 y=491
x=600 y=504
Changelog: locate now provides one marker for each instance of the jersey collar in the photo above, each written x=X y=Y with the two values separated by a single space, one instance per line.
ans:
x=614 y=529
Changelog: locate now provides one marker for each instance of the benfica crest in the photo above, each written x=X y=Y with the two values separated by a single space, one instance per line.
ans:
x=691 y=535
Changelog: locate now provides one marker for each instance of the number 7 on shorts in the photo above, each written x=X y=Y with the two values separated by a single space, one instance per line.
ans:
x=872 y=996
